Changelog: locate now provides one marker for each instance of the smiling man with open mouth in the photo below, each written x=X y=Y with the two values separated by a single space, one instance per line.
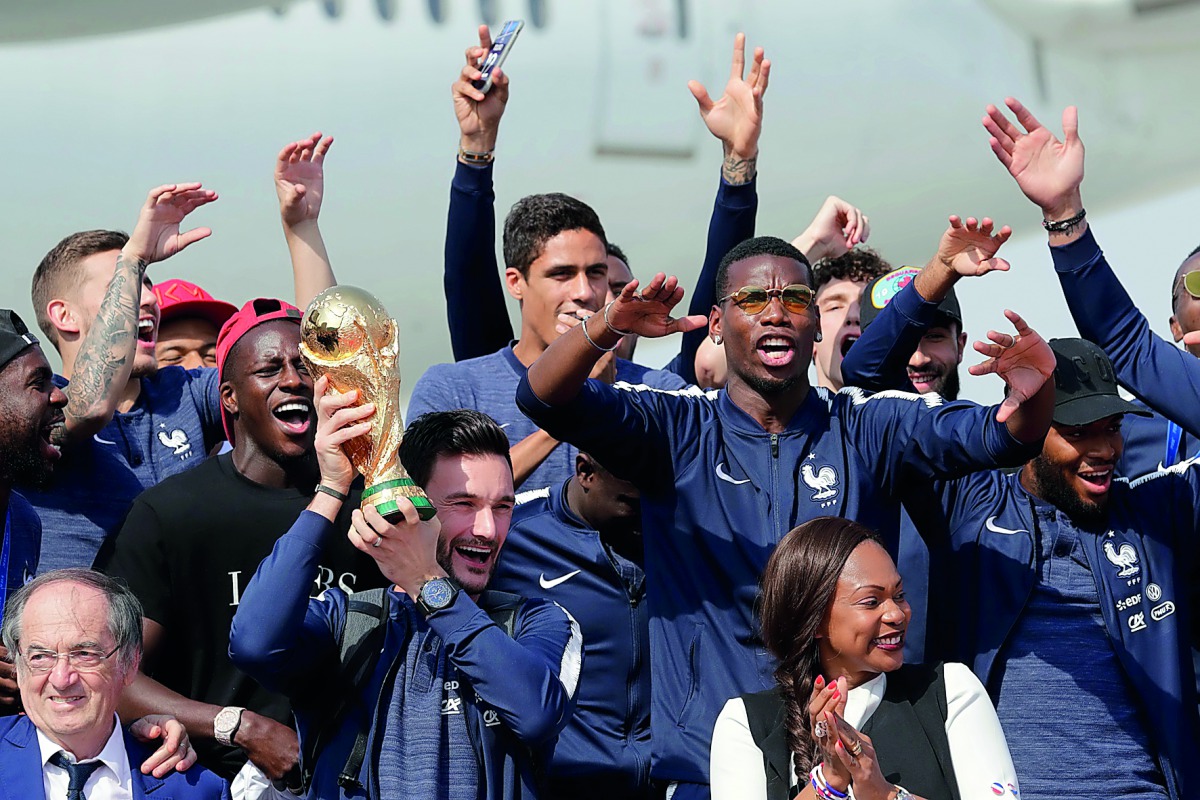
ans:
x=191 y=543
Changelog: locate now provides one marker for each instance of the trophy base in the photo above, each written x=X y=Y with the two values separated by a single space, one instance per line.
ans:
x=386 y=496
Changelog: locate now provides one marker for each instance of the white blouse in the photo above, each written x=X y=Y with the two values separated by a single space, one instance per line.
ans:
x=982 y=764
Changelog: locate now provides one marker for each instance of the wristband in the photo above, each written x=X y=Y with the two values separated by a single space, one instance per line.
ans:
x=816 y=779
x=331 y=492
x=617 y=331
x=476 y=158
x=592 y=342
x=1065 y=225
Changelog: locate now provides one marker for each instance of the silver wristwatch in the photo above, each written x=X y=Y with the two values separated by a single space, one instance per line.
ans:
x=902 y=793
x=225 y=724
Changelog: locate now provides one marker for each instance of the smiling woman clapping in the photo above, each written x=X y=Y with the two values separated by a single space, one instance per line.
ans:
x=847 y=716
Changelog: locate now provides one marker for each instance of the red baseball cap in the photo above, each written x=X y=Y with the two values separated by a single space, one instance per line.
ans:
x=250 y=316
x=178 y=298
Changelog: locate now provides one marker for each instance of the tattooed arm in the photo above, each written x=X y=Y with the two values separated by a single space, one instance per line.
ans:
x=104 y=363
x=736 y=118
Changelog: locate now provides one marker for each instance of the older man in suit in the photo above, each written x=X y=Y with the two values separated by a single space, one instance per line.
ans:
x=76 y=637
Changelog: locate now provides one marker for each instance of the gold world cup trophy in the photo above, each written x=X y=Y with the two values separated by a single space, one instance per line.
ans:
x=348 y=335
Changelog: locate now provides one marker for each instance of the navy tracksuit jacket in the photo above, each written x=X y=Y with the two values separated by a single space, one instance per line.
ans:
x=604 y=752
x=719 y=492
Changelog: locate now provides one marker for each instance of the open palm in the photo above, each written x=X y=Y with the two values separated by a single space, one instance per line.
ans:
x=1047 y=170
x=156 y=235
x=736 y=117
x=300 y=178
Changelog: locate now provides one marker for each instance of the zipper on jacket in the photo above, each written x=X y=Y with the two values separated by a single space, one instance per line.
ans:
x=774 y=445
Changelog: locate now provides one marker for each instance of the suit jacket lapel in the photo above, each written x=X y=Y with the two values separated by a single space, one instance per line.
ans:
x=20 y=763
x=144 y=786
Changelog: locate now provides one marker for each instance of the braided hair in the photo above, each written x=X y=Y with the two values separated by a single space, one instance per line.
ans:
x=798 y=586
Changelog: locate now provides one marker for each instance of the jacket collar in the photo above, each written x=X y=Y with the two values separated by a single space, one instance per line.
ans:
x=812 y=414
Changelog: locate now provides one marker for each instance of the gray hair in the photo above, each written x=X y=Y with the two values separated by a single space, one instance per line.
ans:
x=124 y=611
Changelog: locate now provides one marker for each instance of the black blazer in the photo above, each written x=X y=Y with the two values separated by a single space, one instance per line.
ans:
x=908 y=729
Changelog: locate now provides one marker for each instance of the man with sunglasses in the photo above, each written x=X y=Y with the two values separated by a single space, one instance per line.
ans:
x=724 y=475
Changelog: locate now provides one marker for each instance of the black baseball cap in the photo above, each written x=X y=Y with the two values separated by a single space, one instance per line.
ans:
x=1085 y=385
x=879 y=292
x=14 y=336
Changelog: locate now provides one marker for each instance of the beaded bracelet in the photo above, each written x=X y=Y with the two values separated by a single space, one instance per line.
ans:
x=1065 y=225
x=590 y=341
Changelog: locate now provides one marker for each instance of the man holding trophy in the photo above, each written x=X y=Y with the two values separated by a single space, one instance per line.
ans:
x=190 y=545
x=466 y=689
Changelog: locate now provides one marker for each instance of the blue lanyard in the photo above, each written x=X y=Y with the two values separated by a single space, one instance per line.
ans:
x=1174 y=433
x=4 y=560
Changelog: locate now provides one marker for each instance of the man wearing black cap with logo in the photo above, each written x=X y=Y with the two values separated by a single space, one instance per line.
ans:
x=30 y=406
x=1067 y=589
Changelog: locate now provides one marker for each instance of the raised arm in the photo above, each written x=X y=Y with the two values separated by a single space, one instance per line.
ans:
x=104 y=362
x=879 y=359
x=1050 y=172
x=476 y=310
x=736 y=120
x=300 y=184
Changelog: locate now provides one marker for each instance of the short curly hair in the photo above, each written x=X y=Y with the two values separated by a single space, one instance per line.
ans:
x=538 y=218
x=751 y=248
x=862 y=264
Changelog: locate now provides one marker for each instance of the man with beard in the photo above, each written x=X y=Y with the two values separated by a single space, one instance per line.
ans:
x=30 y=406
x=579 y=544
x=451 y=703
x=191 y=543
x=936 y=354
x=1068 y=591
x=725 y=475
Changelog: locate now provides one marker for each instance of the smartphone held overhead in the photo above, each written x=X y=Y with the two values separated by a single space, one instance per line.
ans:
x=499 y=52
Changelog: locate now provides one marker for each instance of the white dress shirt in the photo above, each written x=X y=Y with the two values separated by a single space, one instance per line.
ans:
x=112 y=781
x=978 y=749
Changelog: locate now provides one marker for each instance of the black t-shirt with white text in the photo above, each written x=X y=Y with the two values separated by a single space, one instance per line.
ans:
x=187 y=549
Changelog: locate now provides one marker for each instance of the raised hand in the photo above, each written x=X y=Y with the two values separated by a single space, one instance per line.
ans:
x=736 y=118
x=156 y=235
x=479 y=114
x=648 y=312
x=1024 y=361
x=175 y=753
x=1048 y=171
x=338 y=421
x=837 y=227
x=969 y=248
x=300 y=179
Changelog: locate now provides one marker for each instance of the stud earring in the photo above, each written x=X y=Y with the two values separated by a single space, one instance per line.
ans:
x=818 y=337
x=717 y=339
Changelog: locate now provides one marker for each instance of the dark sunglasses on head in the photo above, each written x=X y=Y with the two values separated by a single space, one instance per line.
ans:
x=1191 y=282
x=753 y=299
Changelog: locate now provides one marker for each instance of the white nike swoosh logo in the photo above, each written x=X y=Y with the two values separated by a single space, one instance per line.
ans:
x=101 y=441
x=551 y=584
x=994 y=528
x=725 y=476
x=505 y=425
